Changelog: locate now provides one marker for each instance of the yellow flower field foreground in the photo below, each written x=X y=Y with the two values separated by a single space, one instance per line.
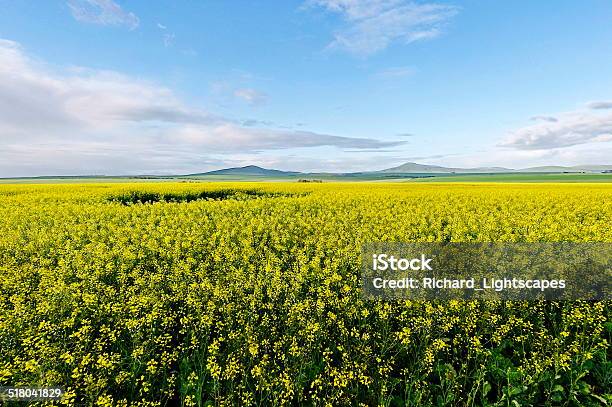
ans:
x=250 y=294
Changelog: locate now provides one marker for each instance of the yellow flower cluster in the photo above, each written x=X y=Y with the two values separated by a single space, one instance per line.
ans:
x=250 y=294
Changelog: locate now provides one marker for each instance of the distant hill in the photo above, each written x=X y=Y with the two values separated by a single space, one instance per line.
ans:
x=251 y=170
x=415 y=168
x=575 y=168
x=597 y=168
x=407 y=168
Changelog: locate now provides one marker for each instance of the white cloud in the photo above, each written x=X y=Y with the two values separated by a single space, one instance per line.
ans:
x=230 y=137
x=517 y=159
x=567 y=129
x=373 y=25
x=103 y=12
x=251 y=96
x=84 y=121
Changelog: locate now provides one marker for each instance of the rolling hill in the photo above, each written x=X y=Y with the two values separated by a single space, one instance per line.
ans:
x=408 y=168
x=575 y=168
x=249 y=170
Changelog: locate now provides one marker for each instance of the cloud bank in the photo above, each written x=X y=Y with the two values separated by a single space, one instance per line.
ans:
x=564 y=130
x=86 y=121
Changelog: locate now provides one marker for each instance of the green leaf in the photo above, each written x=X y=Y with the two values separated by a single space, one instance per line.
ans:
x=486 y=388
x=558 y=388
x=604 y=401
x=584 y=387
x=557 y=397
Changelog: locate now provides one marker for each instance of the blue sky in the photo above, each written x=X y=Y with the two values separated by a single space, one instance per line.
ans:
x=124 y=86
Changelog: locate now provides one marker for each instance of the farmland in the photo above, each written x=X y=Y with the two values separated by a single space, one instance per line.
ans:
x=250 y=294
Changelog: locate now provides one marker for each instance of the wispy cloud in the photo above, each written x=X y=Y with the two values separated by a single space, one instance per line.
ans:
x=428 y=157
x=564 y=130
x=190 y=52
x=600 y=105
x=168 y=40
x=396 y=72
x=103 y=12
x=85 y=121
x=229 y=137
x=167 y=37
x=251 y=96
x=543 y=118
x=373 y=25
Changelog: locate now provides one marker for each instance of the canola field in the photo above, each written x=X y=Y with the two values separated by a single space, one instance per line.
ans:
x=201 y=294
